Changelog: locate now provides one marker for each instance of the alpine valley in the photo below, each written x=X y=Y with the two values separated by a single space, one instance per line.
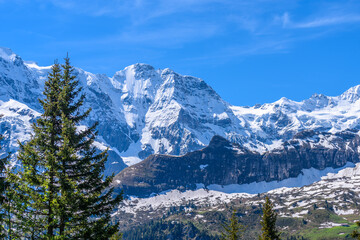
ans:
x=185 y=158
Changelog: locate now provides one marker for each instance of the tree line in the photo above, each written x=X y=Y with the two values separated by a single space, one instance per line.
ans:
x=58 y=189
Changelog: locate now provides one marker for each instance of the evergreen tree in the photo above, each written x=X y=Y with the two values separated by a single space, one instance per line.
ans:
x=65 y=194
x=12 y=206
x=9 y=200
x=356 y=234
x=82 y=171
x=3 y=188
x=268 y=222
x=36 y=178
x=232 y=230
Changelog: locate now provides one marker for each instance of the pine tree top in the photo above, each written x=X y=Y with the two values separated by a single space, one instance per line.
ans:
x=233 y=230
x=268 y=222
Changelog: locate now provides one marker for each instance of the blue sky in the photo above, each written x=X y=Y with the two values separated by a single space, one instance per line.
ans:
x=250 y=52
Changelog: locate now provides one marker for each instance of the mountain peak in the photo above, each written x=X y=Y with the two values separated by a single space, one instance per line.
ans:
x=352 y=94
x=167 y=71
x=7 y=54
x=144 y=110
x=140 y=67
x=35 y=65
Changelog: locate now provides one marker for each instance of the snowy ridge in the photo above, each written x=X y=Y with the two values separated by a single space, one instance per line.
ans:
x=284 y=118
x=142 y=110
x=7 y=55
x=16 y=119
x=330 y=185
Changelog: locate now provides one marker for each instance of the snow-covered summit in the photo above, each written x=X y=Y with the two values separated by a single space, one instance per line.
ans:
x=7 y=54
x=143 y=110
x=140 y=110
x=351 y=95
x=17 y=81
x=35 y=65
x=284 y=118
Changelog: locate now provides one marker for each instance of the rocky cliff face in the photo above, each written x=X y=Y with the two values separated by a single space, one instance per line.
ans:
x=330 y=201
x=142 y=110
x=225 y=163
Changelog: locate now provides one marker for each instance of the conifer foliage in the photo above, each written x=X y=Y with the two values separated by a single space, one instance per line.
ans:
x=356 y=234
x=65 y=194
x=233 y=230
x=3 y=188
x=268 y=222
x=10 y=201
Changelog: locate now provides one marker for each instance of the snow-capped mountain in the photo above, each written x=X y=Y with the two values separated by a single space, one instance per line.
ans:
x=284 y=118
x=142 y=110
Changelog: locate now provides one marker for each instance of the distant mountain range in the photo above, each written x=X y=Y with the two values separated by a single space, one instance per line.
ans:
x=142 y=110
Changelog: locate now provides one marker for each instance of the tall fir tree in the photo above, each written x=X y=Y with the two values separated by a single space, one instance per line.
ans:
x=268 y=222
x=3 y=188
x=9 y=200
x=12 y=206
x=82 y=171
x=356 y=234
x=233 y=230
x=36 y=178
x=65 y=194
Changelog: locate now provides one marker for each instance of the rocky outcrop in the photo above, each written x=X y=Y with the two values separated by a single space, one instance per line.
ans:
x=223 y=163
x=142 y=110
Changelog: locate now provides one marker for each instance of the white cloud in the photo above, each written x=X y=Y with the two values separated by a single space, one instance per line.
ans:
x=326 y=18
x=328 y=21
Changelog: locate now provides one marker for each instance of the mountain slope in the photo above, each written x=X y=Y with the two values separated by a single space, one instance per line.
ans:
x=325 y=209
x=142 y=110
x=284 y=118
x=224 y=163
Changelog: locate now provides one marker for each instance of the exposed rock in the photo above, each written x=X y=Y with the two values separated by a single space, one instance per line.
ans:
x=142 y=110
x=224 y=163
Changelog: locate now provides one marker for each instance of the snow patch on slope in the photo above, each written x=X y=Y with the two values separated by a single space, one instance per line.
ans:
x=15 y=123
x=142 y=110
x=307 y=177
x=176 y=198
x=34 y=65
x=330 y=180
